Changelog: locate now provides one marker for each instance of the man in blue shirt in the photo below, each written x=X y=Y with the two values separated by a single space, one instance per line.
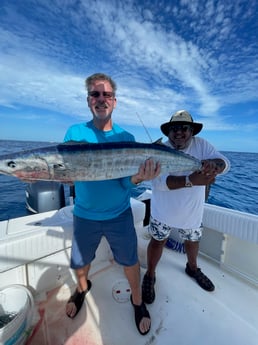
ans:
x=102 y=208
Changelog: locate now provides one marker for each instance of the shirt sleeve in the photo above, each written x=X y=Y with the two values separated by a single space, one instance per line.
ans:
x=68 y=136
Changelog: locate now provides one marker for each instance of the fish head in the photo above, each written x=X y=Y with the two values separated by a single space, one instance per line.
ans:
x=24 y=168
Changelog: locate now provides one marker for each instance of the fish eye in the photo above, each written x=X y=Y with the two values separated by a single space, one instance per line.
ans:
x=11 y=164
x=58 y=166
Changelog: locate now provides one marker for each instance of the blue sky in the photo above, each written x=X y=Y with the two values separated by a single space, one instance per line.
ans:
x=164 y=55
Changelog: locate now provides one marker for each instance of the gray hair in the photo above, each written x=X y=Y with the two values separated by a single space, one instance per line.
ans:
x=99 y=76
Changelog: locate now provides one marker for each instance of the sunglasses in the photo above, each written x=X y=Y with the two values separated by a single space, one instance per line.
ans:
x=96 y=94
x=182 y=128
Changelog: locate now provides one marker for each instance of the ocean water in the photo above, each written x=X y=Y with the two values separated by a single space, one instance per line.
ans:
x=238 y=189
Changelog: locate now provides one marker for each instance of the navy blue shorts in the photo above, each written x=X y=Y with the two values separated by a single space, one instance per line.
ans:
x=119 y=232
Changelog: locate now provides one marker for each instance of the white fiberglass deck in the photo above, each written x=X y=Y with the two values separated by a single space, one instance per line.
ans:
x=182 y=314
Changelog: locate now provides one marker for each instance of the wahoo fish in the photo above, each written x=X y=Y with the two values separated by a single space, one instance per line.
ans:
x=82 y=161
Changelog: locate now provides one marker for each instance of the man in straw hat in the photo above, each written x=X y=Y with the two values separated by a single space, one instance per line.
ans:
x=177 y=201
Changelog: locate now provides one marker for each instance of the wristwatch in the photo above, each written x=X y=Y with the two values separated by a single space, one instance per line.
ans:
x=188 y=183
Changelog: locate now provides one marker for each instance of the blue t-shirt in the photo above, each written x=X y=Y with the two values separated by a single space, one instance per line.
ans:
x=100 y=200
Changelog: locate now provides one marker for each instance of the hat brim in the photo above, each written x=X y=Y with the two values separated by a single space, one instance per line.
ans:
x=165 y=127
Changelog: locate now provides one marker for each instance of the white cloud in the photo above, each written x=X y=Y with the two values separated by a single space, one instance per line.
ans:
x=159 y=69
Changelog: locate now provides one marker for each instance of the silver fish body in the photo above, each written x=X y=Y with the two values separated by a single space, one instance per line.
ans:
x=81 y=161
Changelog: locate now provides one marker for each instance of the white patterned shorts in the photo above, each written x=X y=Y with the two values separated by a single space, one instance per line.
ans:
x=160 y=231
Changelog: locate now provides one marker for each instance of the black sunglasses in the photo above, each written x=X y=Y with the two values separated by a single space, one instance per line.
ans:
x=183 y=128
x=96 y=94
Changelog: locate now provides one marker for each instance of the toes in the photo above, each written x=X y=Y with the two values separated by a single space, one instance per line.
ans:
x=145 y=324
x=70 y=309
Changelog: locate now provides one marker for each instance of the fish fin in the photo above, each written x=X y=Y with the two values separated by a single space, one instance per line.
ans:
x=159 y=141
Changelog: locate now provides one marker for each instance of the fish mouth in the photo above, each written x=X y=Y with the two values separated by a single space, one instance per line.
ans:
x=26 y=170
x=4 y=170
x=31 y=176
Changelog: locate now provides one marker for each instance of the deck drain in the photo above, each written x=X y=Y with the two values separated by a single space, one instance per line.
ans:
x=121 y=291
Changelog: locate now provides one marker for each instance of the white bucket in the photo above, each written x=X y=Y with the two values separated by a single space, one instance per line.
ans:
x=16 y=300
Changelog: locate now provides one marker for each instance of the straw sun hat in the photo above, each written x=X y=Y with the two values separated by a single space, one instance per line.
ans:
x=181 y=117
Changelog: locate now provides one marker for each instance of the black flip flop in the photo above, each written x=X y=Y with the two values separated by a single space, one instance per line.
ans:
x=78 y=298
x=140 y=311
x=200 y=278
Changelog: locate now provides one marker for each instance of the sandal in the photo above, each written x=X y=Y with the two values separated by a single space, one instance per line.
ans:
x=78 y=298
x=200 y=278
x=140 y=311
x=148 y=292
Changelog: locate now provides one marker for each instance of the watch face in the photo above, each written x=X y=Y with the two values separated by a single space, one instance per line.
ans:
x=188 y=183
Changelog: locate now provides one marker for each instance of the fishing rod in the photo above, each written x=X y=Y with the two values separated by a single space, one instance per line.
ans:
x=146 y=130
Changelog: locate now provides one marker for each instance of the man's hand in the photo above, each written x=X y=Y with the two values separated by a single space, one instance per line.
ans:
x=210 y=166
x=207 y=175
x=147 y=171
x=199 y=179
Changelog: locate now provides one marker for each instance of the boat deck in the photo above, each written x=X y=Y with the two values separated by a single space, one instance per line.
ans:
x=182 y=313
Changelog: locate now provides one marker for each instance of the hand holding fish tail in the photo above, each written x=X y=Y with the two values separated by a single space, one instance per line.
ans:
x=202 y=179
x=206 y=175
x=147 y=171
x=214 y=166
